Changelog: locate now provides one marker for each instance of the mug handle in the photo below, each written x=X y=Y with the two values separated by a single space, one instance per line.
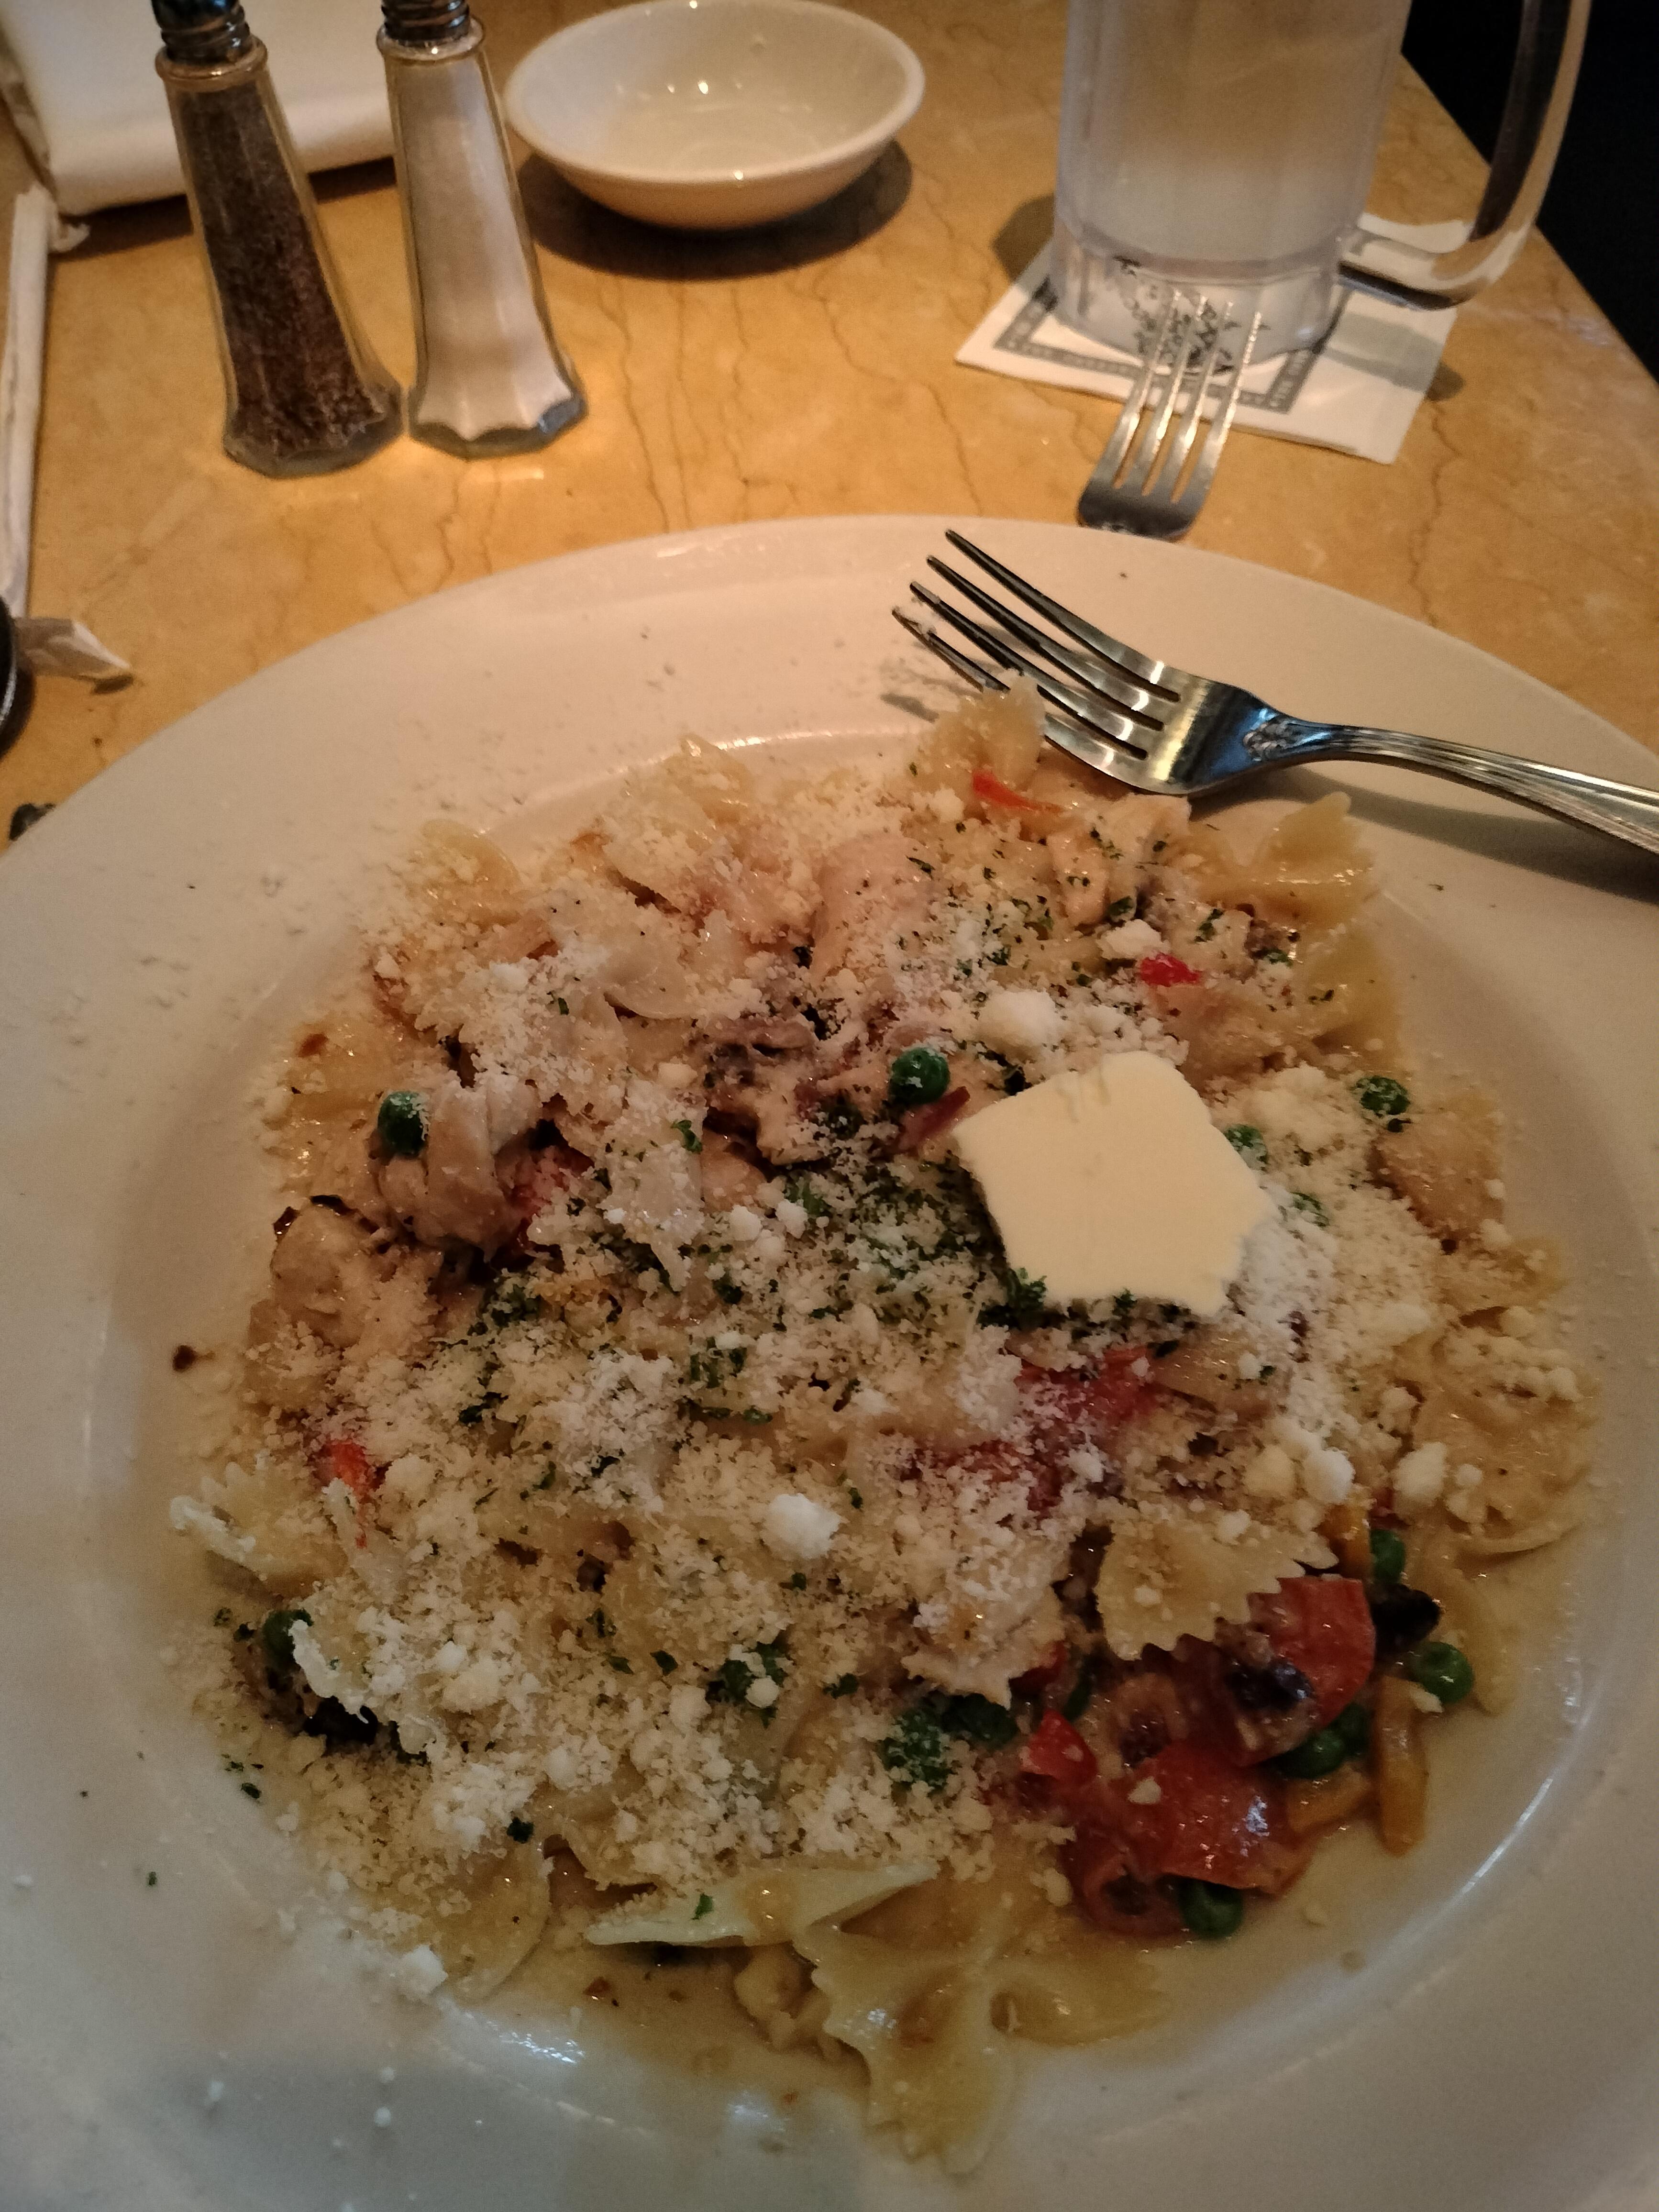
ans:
x=1534 y=116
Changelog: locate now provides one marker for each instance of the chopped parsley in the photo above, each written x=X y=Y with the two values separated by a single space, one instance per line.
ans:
x=1382 y=1096
x=276 y=1634
x=689 y=1136
x=703 y=1907
x=1024 y=1302
x=1247 y=1140
x=842 y=1687
x=520 y=1831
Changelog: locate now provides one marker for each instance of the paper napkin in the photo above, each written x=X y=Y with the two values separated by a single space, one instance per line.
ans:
x=1357 y=390
x=79 y=77
x=52 y=645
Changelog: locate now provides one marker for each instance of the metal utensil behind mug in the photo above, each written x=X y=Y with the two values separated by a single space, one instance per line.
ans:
x=1149 y=480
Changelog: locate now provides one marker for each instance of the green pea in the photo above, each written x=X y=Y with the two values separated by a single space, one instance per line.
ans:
x=1387 y=1555
x=1323 y=1752
x=1442 y=1669
x=1353 y=1725
x=918 y=1076
x=401 y=1124
x=1210 y=1911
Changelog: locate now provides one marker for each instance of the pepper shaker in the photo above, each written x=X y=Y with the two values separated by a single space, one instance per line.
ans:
x=304 y=391
x=489 y=375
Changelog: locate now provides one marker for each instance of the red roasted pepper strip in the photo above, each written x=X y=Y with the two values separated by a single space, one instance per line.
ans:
x=1055 y=1753
x=1322 y=1624
x=1209 y=1821
x=990 y=786
x=1164 y=968
x=343 y=1459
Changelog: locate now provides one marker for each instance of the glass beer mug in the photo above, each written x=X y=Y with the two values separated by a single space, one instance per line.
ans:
x=1226 y=146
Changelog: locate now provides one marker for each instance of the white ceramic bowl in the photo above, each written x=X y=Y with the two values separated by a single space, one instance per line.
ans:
x=715 y=114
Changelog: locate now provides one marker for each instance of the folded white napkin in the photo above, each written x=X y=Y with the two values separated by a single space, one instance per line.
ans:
x=1357 y=390
x=84 y=93
x=52 y=645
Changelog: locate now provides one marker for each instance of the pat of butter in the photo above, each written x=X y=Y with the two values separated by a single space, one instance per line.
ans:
x=1115 y=1180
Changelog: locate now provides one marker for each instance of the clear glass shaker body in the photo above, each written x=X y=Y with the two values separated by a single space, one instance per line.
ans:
x=304 y=391
x=489 y=374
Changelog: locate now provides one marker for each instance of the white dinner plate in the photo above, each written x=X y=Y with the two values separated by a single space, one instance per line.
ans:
x=1471 y=2029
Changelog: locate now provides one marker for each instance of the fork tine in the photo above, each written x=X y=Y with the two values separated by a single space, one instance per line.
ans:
x=1118 y=689
x=985 y=678
x=1131 y=414
x=1198 y=483
x=1155 y=675
x=1078 y=704
x=1174 y=459
x=1097 y=752
x=1134 y=480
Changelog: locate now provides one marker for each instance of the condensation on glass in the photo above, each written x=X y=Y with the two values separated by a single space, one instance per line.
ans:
x=490 y=376
x=1226 y=147
x=304 y=390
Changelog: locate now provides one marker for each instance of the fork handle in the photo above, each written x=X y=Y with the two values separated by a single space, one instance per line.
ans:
x=1625 y=811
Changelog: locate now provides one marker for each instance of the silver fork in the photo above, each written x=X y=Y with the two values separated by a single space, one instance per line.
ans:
x=1160 y=728
x=1137 y=484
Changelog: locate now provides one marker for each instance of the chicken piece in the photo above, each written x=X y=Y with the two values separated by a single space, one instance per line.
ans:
x=326 y=1274
x=872 y=891
x=730 y=1177
x=452 y=1194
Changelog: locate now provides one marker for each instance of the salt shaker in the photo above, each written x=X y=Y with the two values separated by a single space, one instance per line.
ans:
x=304 y=392
x=490 y=376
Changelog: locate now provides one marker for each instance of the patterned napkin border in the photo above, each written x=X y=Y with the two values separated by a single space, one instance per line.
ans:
x=1357 y=390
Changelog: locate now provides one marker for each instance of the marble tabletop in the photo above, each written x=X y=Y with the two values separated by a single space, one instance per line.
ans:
x=809 y=370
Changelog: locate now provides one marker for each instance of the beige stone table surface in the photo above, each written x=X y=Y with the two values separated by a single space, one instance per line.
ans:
x=808 y=370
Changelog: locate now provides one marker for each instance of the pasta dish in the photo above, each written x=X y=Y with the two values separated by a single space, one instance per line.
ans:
x=896 y=1377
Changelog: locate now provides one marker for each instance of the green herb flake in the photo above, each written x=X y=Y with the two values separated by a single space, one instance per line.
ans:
x=1080 y=1694
x=1305 y=1202
x=1024 y=1302
x=520 y=1831
x=842 y=1687
x=666 y=1663
x=1248 y=1142
x=276 y=1634
x=251 y=1790
x=1120 y=909
x=977 y=1720
x=914 y=1752
x=689 y=1136
x=150 y=1881
x=1382 y=1096
x=704 y=1906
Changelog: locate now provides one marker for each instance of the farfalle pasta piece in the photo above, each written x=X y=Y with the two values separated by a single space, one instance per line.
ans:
x=929 y=1988
x=771 y=1906
x=1176 y=1575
